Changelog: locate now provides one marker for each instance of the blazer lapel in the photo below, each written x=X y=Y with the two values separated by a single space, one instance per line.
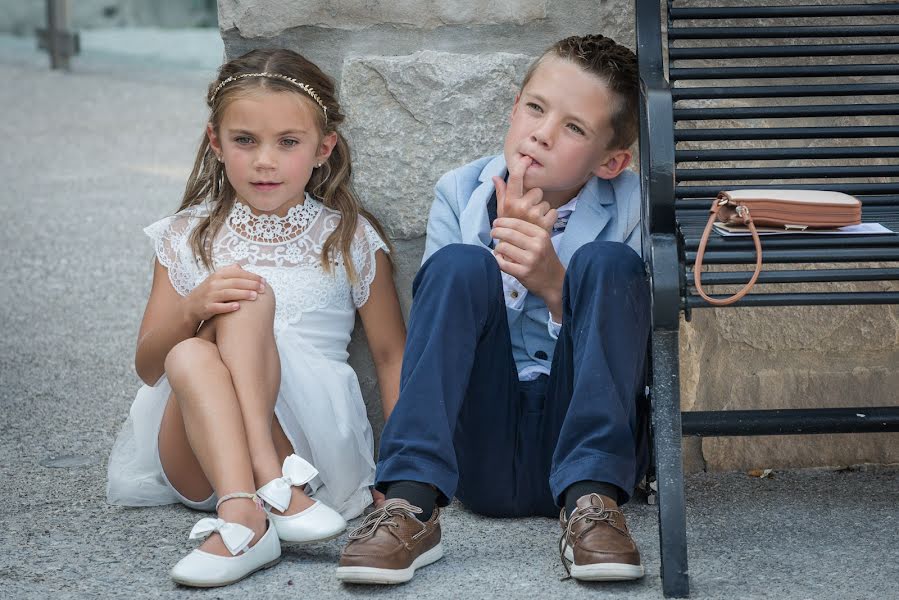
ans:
x=588 y=219
x=474 y=222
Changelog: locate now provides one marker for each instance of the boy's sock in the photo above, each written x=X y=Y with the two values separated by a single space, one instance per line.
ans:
x=422 y=495
x=582 y=488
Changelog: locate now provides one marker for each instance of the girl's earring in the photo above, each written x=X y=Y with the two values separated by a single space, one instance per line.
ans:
x=324 y=179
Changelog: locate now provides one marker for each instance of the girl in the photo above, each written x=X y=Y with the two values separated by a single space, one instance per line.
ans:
x=249 y=402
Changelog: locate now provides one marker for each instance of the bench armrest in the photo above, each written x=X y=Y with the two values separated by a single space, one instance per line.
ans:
x=660 y=243
x=656 y=124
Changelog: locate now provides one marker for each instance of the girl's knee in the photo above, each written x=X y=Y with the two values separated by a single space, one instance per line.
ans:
x=188 y=356
x=262 y=308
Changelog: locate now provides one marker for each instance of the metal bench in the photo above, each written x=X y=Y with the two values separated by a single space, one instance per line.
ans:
x=729 y=64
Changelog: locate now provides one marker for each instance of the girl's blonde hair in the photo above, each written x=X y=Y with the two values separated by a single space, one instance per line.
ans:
x=331 y=183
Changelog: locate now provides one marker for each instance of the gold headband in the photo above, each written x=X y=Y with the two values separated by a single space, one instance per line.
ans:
x=306 y=88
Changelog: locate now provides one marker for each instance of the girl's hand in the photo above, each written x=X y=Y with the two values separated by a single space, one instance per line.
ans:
x=221 y=292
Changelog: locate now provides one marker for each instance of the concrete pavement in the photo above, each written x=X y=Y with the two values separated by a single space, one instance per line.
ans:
x=91 y=157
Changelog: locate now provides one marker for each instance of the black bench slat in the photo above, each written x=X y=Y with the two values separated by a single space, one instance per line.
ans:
x=737 y=154
x=775 y=71
x=804 y=31
x=785 y=91
x=855 y=189
x=782 y=51
x=823 y=243
x=791 y=71
x=756 y=12
x=790 y=421
x=840 y=171
x=785 y=112
x=781 y=133
x=719 y=246
x=802 y=255
x=804 y=299
x=793 y=276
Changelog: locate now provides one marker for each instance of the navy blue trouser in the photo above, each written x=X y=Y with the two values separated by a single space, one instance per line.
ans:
x=465 y=424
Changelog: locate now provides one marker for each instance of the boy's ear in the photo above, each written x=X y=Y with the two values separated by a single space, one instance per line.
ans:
x=214 y=141
x=326 y=147
x=614 y=163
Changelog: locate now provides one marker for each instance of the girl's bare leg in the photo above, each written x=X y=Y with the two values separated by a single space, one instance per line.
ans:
x=246 y=343
x=211 y=424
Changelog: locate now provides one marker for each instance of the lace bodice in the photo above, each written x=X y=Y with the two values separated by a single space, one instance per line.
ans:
x=286 y=251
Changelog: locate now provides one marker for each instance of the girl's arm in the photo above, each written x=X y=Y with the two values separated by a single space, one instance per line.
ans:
x=165 y=323
x=385 y=329
x=171 y=318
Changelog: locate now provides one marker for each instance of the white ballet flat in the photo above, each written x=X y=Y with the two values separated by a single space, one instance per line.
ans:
x=202 y=569
x=317 y=523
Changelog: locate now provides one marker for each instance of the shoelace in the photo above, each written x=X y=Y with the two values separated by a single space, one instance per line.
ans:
x=394 y=507
x=596 y=514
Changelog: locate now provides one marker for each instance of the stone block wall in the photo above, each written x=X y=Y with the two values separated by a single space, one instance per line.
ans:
x=428 y=86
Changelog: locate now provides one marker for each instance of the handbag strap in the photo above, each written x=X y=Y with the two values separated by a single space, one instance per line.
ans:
x=700 y=252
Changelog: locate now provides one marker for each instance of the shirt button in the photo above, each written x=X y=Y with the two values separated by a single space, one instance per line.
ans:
x=540 y=354
x=514 y=294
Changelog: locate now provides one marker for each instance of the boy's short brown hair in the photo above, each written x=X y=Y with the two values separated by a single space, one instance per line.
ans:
x=616 y=65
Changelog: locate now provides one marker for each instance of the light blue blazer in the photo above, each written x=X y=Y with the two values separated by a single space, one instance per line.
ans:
x=607 y=210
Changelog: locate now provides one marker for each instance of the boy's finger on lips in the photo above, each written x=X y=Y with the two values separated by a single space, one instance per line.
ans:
x=516 y=176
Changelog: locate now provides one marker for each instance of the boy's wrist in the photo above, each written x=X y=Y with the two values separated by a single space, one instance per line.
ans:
x=552 y=296
x=554 y=304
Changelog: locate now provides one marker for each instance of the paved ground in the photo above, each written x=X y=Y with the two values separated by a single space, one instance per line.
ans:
x=92 y=156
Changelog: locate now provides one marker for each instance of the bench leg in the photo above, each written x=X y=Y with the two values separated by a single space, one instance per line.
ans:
x=666 y=422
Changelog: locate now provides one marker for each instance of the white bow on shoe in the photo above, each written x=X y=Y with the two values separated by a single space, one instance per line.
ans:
x=237 y=537
x=315 y=524
x=202 y=569
x=295 y=471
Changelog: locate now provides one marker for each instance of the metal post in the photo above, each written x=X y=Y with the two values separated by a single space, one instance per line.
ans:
x=669 y=469
x=60 y=43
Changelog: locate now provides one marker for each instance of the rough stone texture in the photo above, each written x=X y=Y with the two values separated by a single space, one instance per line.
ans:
x=412 y=118
x=262 y=18
x=329 y=47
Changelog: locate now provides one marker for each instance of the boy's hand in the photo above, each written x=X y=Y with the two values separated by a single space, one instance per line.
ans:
x=525 y=251
x=220 y=292
x=512 y=201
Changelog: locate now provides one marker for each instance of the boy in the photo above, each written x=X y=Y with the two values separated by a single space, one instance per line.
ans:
x=527 y=334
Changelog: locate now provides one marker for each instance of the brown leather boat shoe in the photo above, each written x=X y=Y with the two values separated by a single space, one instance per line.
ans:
x=390 y=544
x=596 y=544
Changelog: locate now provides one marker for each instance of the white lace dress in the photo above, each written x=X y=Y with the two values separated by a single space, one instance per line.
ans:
x=319 y=404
